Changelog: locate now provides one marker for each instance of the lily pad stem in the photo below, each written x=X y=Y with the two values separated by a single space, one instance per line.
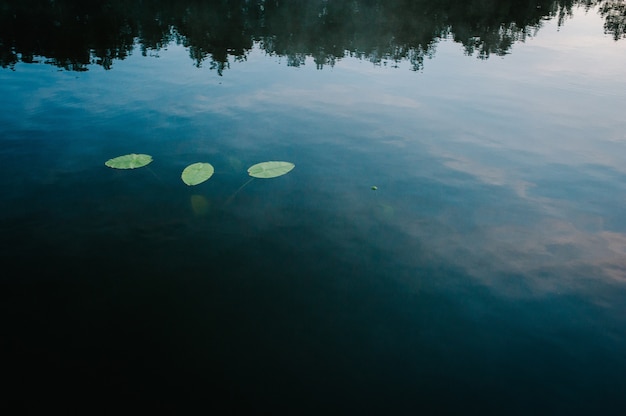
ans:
x=237 y=191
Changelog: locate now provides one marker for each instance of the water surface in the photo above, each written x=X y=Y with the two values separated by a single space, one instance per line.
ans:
x=486 y=274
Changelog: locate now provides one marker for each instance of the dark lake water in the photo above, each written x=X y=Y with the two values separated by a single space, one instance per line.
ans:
x=452 y=239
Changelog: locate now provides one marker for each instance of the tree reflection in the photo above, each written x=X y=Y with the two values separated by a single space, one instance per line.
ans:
x=614 y=13
x=73 y=34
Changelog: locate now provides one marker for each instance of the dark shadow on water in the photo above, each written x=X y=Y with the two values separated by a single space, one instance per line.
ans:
x=178 y=314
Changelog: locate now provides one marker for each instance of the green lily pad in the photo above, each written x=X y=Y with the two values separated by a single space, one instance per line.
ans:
x=270 y=169
x=197 y=173
x=131 y=161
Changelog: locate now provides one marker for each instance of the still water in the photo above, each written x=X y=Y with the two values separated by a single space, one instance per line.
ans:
x=484 y=274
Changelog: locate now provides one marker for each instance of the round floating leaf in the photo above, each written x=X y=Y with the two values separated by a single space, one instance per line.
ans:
x=270 y=169
x=197 y=173
x=131 y=161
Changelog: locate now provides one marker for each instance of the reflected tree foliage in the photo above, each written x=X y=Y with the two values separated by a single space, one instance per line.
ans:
x=74 y=34
x=614 y=13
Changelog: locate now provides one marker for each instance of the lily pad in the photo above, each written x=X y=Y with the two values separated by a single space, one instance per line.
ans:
x=197 y=173
x=130 y=161
x=270 y=169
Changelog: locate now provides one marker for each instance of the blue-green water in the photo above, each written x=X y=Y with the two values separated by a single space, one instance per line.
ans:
x=486 y=274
